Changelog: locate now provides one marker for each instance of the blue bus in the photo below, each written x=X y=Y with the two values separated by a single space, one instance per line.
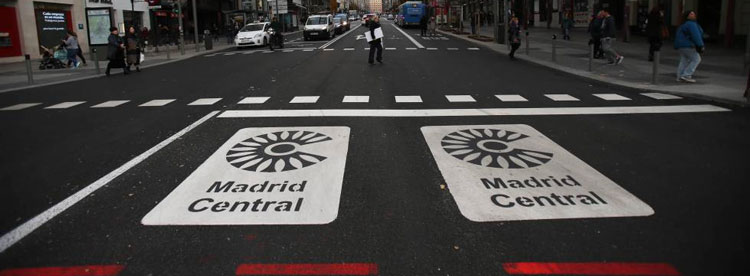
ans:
x=410 y=12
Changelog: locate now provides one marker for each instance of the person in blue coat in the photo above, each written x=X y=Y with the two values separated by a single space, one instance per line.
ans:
x=689 y=43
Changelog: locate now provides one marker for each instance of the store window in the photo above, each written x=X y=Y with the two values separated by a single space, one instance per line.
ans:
x=52 y=22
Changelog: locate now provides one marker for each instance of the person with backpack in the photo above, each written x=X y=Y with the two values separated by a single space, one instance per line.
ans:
x=689 y=43
x=514 y=37
x=609 y=36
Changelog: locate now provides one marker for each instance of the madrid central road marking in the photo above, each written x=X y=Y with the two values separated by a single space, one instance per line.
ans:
x=290 y=175
x=471 y=111
x=514 y=172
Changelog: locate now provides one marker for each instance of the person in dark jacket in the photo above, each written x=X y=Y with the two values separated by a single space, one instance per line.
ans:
x=375 y=44
x=115 y=52
x=689 y=43
x=608 y=38
x=595 y=30
x=132 y=49
x=655 y=30
x=423 y=25
x=514 y=37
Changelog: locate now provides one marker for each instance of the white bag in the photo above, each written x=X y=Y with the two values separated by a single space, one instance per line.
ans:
x=142 y=58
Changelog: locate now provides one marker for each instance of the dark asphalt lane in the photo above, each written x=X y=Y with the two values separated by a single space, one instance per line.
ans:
x=689 y=168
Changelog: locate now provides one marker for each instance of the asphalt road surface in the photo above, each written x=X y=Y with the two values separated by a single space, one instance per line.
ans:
x=85 y=163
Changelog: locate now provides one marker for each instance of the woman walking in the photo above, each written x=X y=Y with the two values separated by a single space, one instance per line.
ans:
x=115 y=52
x=689 y=43
x=514 y=37
x=656 y=31
x=132 y=49
x=71 y=45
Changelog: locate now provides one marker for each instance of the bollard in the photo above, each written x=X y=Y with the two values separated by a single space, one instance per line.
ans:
x=167 y=46
x=96 y=61
x=29 y=73
x=591 y=57
x=554 y=48
x=655 y=70
x=527 y=43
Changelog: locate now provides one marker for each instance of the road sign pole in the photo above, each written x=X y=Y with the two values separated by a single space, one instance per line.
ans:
x=195 y=26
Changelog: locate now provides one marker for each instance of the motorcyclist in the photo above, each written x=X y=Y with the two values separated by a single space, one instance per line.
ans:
x=276 y=26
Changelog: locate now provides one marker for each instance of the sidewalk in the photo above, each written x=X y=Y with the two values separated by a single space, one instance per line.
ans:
x=721 y=76
x=13 y=76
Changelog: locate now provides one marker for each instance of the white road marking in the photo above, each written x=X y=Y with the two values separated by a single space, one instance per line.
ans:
x=356 y=99
x=161 y=102
x=514 y=172
x=411 y=49
x=561 y=97
x=334 y=40
x=471 y=111
x=308 y=50
x=230 y=53
x=205 y=101
x=367 y=49
x=511 y=98
x=348 y=49
x=109 y=104
x=460 y=98
x=64 y=105
x=288 y=51
x=253 y=100
x=416 y=43
x=15 y=235
x=390 y=49
x=432 y=49
x=472 y=49
x=327 y=49
x=452 y=49
x=210 y=55
x=612 y=97
x=661 y=96
x=250 y=52
x=408 y=99
x=19 y=106
x=305 y=99
x=269 y=52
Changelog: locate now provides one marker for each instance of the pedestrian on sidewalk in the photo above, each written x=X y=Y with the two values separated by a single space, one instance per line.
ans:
x=514 y=37
x=132 y=49
x=423 y=26
x=609 y=37
x=595 y=30
x=115 y=52
x=689 y=43
x=567 y=24
x=79 y=53
x=71 y=45
x=656 y=31
x=375 y=44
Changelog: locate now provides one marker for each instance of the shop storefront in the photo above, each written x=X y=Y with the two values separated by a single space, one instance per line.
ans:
x=10 y=40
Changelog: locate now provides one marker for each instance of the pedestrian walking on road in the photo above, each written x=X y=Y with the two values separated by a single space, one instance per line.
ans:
x=423 y=25
x=656 y=31
x=71 y=45
x=375 y=44
x=609 y=36
x=514 y=37
x=689 y=43
x=115 y=52
x=595 y=30
x=132 y=49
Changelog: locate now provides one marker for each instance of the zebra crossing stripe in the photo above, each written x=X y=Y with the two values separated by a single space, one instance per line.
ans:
x=64 y=105
x=511 y=98
x=561 y=97
x=305 y=99
x=612 y=97
x=254 y=100
x=661 y=96
x=205 y=101
x=160 y=102
x=408 y=99
x=109 y=104
x=19 y=106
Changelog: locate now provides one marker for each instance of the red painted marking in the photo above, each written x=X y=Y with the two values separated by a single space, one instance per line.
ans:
x=308 y=269
x=85 y=270
x=590 y=268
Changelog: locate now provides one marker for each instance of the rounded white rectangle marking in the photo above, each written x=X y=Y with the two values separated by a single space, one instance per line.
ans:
x=356 y=99
x=64 y=105
x=408 y=99
x=561 y=97
x=153 y=103
x=511 y=98
x=289 y=175
x=460 y=98
x=205 y=101
x=304 y=99
x=109 y=104
x=514 y=172
x=254 y=100
x=612 y=97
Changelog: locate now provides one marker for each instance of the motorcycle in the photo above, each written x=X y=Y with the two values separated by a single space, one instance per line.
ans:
x=275 y=39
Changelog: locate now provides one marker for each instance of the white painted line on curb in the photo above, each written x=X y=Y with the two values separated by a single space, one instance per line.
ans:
x=416 y=43
x=471 y=111
x=15 y=235
x=205 y=101
x=408 y=99
x=64 y=105
x=161 y=102
x=305 y=99
x=561 y=97
x=460 y=98
x=661 y=96
x=254 y=100
x=108 y=104
x=356 y=99
x=511 y=98
x=612 y=97
x=19 y=106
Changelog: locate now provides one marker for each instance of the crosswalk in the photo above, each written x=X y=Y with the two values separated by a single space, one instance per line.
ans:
x=297 y=50
x=259 y=100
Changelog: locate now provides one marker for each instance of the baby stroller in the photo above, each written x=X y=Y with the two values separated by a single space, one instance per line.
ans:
x=54 y=58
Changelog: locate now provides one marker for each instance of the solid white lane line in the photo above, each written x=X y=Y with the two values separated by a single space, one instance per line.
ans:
x=511 y=98
x=254 y=100
x=334 y=40
x=356 y=99
x=612 y=97
x=108 y=104
x=205 y=101
x=408 y=99
x=19 y=106
x=561 y=97
x=15 y=235
x=161 y=102
x=416 y=43
x=305 y=99
x=661 y=96
x=64 y=105
x=460 y=98
x=470 y=112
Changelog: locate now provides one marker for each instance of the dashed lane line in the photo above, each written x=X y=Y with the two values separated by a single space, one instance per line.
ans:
x=356 y=99
x=561 y=97
x=64 y=105
x=205 y=101
x=109 y=104
x=511 y=98
x=612 y=97
x=15 y=235
x=661 y=96
x=460 y=98
x=154 y=103
x=408 y=99
x=254 y=100
x=304 y=99
x=19 y=106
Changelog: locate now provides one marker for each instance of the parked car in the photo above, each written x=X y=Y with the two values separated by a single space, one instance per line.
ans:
x=319 y=26
x=253 y=34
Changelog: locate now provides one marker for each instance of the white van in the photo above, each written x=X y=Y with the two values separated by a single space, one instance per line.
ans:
x=319 y=26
